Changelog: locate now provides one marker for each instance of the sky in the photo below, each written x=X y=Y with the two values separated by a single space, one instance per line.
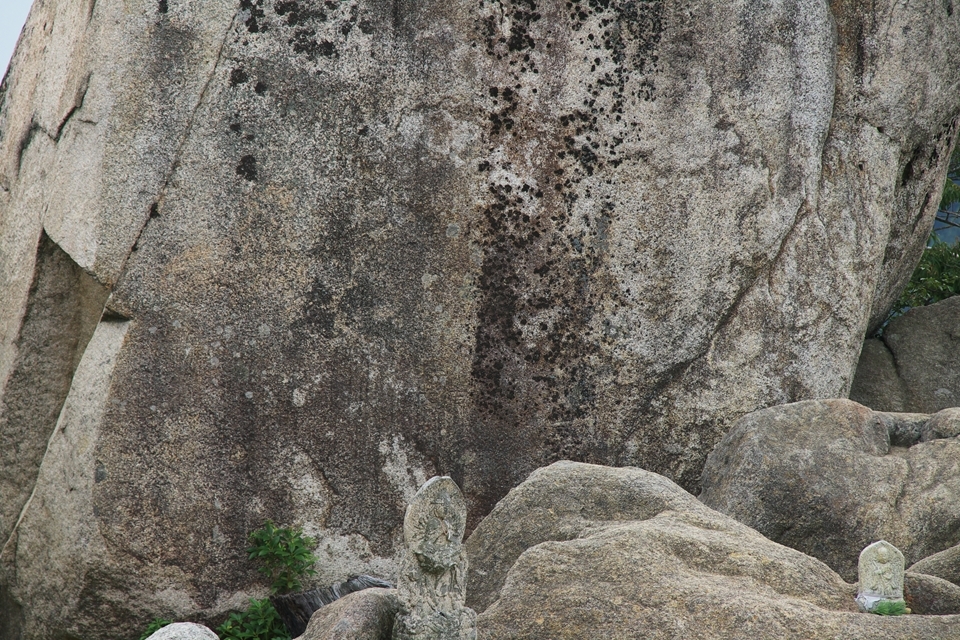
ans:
x=13 y=13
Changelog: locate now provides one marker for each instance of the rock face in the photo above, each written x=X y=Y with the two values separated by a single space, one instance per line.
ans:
x=829 y=477
x=916 y=365
x=352 y=246
x=649 y=556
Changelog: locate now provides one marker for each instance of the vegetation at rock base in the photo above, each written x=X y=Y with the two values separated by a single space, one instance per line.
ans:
x=286 y=556
x=285 y=553
x=155 y=625
x=259 y=622
x=891 y=608
x=936 y=278
x=937 y=275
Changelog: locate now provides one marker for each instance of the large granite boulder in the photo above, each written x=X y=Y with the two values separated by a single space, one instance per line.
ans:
x=364 y=615
x=929 y=595
x=829 y=477
x=915 y=365
x=666 y=569
x=943 y=564
x=351 y=245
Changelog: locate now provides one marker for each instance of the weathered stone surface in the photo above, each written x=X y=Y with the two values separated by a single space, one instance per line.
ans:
x=944 y=564
x=915 y=366
x=880 y=575
x=363 y=615
x=930 y=595
x=360 y=245
x=829 y=477
x=183 y=631
x=432 y=580
x=679 y=570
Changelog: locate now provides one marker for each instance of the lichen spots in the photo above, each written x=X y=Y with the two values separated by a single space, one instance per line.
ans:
x=247 y=169
x=251 y=12
x=162 y=6
x=238 y=76
x=317 y=30
x=546 y=283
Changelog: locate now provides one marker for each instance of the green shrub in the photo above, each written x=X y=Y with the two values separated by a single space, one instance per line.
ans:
x=890 y=608
x=285 y=553
x=155 y=625
x=936 y=277
x=259 y=622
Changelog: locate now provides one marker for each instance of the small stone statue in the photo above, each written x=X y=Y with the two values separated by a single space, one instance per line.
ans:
x=432 y=585
x=881 y=579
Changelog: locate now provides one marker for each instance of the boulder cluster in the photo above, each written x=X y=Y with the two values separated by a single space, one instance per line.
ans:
x=287 y=260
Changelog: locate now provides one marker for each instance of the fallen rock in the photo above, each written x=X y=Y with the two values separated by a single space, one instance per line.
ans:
x=183 y=631
x=930 y=595
x=562 y=502
x=296 y=609
x=673 y=568
x=944 y=564
x=915 y=366
x=362 y=615
x=829 y=477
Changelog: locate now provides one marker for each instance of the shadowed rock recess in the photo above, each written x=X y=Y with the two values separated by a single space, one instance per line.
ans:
x=353 y=245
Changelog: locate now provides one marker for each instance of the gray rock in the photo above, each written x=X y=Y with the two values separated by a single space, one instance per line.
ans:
x=944 y=564
x=679 y=570
x=362 y=615
x=916 y=364
x=828 y=477
x=930 y=595
x=357 y=246
x=183 y=631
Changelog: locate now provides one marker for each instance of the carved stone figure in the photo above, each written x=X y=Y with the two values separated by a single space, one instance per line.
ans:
x=433 y=573
x=881 y=575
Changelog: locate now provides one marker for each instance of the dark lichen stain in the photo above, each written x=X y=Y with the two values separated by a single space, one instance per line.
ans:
x=247 y=169
x=295 y=14
x=319 y=313
x=260 y=88
x=317 y=28
x=162 y=6
x=238 y=76
x=366 y=26
x=545 y=282
x=154 y=210
x=236 y=127
x=255 y=12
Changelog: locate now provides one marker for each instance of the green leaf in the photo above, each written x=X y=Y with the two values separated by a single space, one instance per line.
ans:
x=155 y=625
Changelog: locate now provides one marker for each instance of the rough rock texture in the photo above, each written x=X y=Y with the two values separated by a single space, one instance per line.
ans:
x=668 y=569
x=944 y=564
x=183 y=631
x=915 y=366
x=930 y=595
x=357 y=244
x=829 y=477
x=364 y=615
